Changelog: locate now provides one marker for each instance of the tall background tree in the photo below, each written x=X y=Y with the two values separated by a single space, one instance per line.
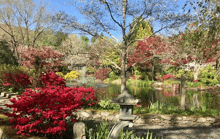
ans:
x=113 y=15
x=23 y=21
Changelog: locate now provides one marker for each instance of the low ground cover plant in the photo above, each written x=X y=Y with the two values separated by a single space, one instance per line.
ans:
x=101 y=131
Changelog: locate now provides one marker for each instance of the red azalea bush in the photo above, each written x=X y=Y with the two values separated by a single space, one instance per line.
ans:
x=195 y=80
x=44 y=110
x=17 y=81
x=52 y=78
x=102 y=73
x=168 y=76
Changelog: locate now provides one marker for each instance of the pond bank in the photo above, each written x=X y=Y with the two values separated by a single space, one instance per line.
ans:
x=162 y=120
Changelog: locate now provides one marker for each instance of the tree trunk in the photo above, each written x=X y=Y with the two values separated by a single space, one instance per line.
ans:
x=123 y=70
x=152 y=72
x=216 y=65
x=182 y=91
x=124 y=50
x=196 y=72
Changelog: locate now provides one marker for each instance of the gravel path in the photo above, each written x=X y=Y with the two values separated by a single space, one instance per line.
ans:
x=180 y=132
x=161 y=131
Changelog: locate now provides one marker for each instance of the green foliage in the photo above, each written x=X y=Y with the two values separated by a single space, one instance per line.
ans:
x=102 y=131
x=113 y=76
x=107 y=104
x=90 y=70
x=64 y=69
x=6 y=55
x=60 y=74
x=180 y=72
x=72 y=75
x=193 y=84
x=140 y=83
x=207 y=76
x=51 y=38
x=142 y=29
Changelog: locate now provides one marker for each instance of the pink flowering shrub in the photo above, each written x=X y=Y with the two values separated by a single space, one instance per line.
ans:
x=16 y=81
x=168 y=76
x=44 y=110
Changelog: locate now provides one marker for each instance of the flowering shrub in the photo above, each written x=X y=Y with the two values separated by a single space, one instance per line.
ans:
x=60 y=74
x=52 y=79
x=44 y=110
x=168 y=76
x=133 y=77
x=102 y=73
x=16 y=81
x=72 y=75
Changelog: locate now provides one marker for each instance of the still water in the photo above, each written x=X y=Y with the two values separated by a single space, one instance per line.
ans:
x=167 y=97
x=149 y=95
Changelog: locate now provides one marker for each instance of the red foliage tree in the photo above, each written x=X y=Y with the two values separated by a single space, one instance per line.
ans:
x=102 y=73
x=149 y=52
x=41 y=60
x=40 y=57
x=195 y=46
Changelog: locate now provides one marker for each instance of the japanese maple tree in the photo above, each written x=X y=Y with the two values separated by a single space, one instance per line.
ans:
x=149 y=52
x=195 y=46
x=40 y=60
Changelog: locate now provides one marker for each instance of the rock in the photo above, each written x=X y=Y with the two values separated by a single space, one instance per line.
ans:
x=79 y=130
x=210 y=119
x=139 y=121
x=166 y=117
x=97 y=116
x=85 y=114
x=105 y=114
x=110 y=117
x=201 y=120
x=184 y=118
x=2 y=135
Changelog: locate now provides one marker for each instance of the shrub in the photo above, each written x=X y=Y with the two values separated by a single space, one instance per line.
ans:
x=60 y=74
x=180 y=72
x=167 y=76
x=18 y=81
x=44 y=110
x=52 y=79
x=107 y=104
x=90 y=70
x=72 y=75
x=102 y=73
x=113 y=76
x=207 y=76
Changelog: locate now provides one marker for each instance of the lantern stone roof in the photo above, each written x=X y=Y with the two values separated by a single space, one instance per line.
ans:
x=125 y=98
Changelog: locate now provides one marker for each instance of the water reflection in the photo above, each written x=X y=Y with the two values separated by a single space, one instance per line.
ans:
x=167 y=97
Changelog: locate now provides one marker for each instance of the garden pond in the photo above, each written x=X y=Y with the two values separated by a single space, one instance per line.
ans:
x=165 y=97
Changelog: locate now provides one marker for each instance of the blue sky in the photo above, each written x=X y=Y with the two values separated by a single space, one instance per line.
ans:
x=61 y=5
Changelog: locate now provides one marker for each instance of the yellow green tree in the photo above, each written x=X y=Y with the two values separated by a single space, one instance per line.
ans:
x=142 y=30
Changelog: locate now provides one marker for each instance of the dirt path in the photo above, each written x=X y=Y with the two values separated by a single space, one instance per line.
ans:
x=179 y=132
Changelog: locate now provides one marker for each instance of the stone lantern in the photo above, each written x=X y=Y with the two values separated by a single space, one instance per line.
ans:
x=126 y=102
x=126 y=117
